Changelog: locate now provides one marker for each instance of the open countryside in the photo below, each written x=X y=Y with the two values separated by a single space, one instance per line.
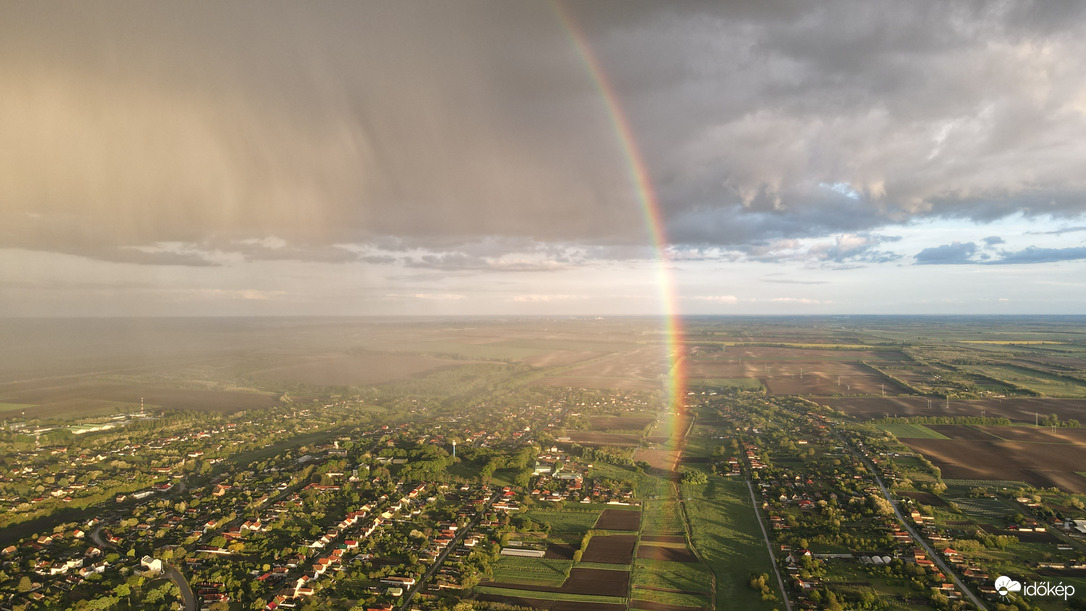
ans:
x=764 y=494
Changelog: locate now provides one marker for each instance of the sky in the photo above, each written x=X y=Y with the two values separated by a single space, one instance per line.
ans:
x=467 y=158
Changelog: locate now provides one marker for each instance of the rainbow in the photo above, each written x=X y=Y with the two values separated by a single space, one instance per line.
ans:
x=650 y=209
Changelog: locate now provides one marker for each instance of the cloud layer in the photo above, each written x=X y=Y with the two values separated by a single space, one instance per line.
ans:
x=342 y=124
x=414 y=142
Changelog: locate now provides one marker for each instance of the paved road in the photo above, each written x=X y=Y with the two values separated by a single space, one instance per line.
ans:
x=169 y=570
x=769 y=546
x=96 y=536
x=405 y=602
x=915 y=535
x=182 y=584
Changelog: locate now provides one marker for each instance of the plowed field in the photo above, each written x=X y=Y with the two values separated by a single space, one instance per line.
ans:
x=610 y=549
x=619 y=519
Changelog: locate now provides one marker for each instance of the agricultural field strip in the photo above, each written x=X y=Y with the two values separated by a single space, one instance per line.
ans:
x=768 y=545
x=542 y=595
x=666 y=544
x=909 y=430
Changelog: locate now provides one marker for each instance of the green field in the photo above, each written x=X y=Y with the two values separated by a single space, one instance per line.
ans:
x=536 y=571
x=650 y=579
x=10 y=407
x=1041 y=382
x=645 y=486
x=585 y=598
x=989 y=510
x=984 y=483
x=661 y=517
x=743 y=383
x=725 y=531
x=905 y=430
x=568 y=522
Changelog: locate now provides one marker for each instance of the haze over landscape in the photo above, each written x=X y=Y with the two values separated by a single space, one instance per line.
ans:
x=466 y=158
x=567 y=306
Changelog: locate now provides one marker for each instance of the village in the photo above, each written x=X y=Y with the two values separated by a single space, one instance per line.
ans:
x=220 y=517
x=855 y=517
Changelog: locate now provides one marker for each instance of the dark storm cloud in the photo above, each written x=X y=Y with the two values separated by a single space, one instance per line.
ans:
x=924 y=109
x=338 y=129
x=947 y=254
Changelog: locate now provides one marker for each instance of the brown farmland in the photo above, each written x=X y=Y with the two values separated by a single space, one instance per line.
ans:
x=799 y=371
x=619 y=519
x=1018 y=409
x=1039 y=464
x=664 y=539
x=621 y=423
x=610 y=549
x=560 y=358
x=664 y=460
x=659 y=552
x=962 y=431
x=642 y=368
x=354 y=369
x=603 y=439
x=559 y=551
x=84 y=397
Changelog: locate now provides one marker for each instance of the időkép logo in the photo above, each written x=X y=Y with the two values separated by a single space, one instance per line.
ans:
x=1005 y=585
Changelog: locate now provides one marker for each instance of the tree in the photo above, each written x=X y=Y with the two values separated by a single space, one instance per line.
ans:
x=695 y=477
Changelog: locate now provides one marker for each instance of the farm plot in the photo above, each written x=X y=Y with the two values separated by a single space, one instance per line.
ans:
x=560 y=551
x=10 y=407
x=1033 y=434
x=1025 y=537
x=597 y=582
x=642 y=368
x=565 y=524
x=622 y=423
x=507 y=597
x=660 y=517
x=76 y=398
x=560 y=358
x=983 y=509
x=799 y=371
x=603 y=439
x=354 y=369
x=664 y=460
x=610 y=549
x=536 y=571
x=903 y=430
x=649 y=605
x=1036 y=380
x=672 y=539
x=821 y=378
x=1034 y=463
x=619 y=519
x=664 y=582
x=1018 y=409
x=926 y=498
x=961 y=431
x=724 y=529
x=646 y=551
